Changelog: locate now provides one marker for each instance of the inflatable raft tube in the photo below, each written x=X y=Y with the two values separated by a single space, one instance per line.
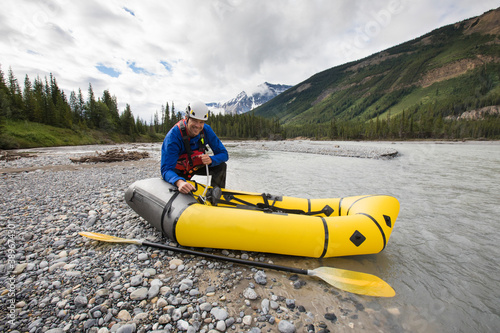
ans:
x=260 y=222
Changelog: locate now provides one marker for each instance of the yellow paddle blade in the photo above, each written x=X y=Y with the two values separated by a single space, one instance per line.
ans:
x=108 y=238
x=354 y=282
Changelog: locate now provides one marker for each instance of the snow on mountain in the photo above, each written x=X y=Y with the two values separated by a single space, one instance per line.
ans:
x=245 y=102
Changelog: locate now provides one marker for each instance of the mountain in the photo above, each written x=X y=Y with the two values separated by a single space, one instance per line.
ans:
x=441 y=75
x=245 y=102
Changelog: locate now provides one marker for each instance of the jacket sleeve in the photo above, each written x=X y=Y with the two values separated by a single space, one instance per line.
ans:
x=171 y=149
x=220 y=152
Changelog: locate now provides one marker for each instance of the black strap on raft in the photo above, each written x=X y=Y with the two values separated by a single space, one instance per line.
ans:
x=167 y=209
x=265 y=206
x=186 y=138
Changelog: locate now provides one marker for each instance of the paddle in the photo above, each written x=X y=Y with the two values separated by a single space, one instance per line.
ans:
x=351 y=281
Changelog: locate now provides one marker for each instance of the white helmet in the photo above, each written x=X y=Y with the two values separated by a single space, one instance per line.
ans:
x=197 y=110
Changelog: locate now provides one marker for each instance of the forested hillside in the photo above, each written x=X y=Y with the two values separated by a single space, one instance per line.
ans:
x=444 y=84
x=42 y=115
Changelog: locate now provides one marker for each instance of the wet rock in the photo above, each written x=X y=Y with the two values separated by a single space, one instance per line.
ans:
x=250 y=294
x=247 y=320
x=260 y=277
x=285 y=326
x=331 y=317
x=264 y=305
x=290 y=303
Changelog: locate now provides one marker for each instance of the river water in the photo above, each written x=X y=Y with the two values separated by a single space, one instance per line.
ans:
x=443 y=256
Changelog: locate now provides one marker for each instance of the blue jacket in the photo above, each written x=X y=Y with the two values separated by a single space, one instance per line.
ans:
x=173 y=147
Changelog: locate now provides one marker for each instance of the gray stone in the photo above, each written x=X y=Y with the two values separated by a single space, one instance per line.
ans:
x=249 y=293
x=128 y=328
x=285 y=326
x=136 y=280
x=153 y=291
x=182 y=325
x=264 y=305
x=260 y=277
x=221 y=326
x=139 y=294
x=219 y=313
x=205 y=306
x=80 y=301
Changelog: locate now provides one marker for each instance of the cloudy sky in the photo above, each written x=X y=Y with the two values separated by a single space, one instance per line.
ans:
x=148 y=53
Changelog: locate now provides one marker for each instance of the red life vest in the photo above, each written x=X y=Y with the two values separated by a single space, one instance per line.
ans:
x=190 y=161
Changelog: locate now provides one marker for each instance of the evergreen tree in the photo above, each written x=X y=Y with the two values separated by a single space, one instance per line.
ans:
x=49 y=109
x=81 y=107
x=168 y=120
x=29 y=99
x=91 y=113
x=127 y=121
x=112 y=106
x=39 y=93
x=16 y=98
x=4 y=101
x=156 y=123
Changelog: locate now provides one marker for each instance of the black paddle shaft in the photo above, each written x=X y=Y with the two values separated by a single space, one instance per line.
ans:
x=235 y=260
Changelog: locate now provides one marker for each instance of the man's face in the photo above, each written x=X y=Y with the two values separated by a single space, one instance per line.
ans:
x=194 y=127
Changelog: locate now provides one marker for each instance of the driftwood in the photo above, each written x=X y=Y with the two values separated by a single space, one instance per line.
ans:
x=13 y=155
x=114 y=155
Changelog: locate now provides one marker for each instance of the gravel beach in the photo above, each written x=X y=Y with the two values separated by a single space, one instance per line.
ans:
x=53 y=280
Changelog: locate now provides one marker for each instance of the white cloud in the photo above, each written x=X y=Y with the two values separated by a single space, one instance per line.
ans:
x=209 y=50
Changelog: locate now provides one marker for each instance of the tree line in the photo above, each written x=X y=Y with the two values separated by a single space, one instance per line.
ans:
x=404 y=126
x=42 y=101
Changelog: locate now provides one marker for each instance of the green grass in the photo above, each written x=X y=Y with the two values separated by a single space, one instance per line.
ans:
x=25 y=134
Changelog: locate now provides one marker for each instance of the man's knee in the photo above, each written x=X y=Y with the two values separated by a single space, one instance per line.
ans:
x=219 y=175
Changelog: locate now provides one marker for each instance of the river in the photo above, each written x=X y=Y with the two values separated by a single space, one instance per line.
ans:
x=443 y=258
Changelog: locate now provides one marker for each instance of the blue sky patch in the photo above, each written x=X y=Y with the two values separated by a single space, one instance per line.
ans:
x=137 y=70
x=108 y=70
x=129 y=11
x=167 y=66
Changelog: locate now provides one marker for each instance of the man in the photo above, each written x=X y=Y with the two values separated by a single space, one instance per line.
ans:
x=183 y=153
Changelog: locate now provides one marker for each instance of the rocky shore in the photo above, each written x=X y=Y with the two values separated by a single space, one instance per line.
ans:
x=323 y=148
x=53 y=280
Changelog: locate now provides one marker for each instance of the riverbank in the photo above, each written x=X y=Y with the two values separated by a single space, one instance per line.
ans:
x=53 y=280
x=322 y=148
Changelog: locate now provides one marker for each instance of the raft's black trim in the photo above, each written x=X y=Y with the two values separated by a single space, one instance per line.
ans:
x=174 y=228
x=174 y=233
x=379 y=227
x=166 y=210
x=308 y=205
x=327 y=210
x=368 y=196
x=357 y=238
x=388 y=221
x=231 y=200
x=340 y=206
x=327 y=237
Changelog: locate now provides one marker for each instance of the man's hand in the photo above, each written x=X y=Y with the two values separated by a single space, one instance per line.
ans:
x=206 y=159
x=184 y=186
